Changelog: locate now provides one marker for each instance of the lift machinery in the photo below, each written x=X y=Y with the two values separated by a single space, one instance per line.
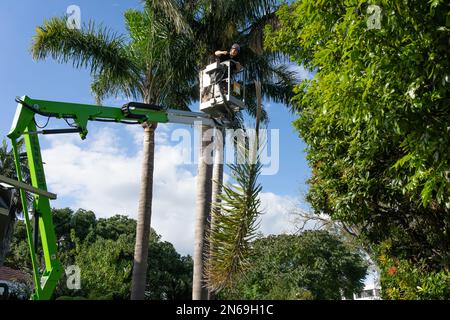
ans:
x=214 y=112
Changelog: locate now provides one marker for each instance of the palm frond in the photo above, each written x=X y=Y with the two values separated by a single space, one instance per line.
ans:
x=96 y=48
x=168 y=74
x=277 y=80
x=174 y=11
x=235 y=225
x=218 y=23
x=181 y=96
x=277 y=86
x=7 y=162
x=251 y=107
x=244 y=13
x=254 y=38
x=106 y=85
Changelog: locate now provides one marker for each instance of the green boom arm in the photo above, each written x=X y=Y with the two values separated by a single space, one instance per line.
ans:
x=80 y=114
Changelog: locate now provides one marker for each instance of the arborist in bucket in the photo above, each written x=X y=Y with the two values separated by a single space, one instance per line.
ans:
x=233 y=54
x=217 y=78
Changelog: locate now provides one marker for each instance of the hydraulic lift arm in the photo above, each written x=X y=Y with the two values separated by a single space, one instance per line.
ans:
x=24 y=124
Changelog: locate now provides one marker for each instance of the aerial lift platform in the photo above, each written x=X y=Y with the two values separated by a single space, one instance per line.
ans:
x=226 y=96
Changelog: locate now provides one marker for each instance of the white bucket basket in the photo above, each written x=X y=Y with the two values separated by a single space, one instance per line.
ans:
x=222 y=89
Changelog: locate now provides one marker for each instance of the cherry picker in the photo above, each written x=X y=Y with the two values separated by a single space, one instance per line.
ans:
x=214 y=113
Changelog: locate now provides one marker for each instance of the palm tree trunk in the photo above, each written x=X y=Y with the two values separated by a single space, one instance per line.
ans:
x=204 y=193
x=217 y=178
x=144 y=215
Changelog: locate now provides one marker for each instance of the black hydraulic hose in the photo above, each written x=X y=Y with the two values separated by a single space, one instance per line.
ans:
x=44 y=126
x=115 y=121
x=61 y=131
x=33 y=109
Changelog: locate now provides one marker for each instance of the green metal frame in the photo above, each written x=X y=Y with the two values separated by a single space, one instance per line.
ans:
x=24 y=125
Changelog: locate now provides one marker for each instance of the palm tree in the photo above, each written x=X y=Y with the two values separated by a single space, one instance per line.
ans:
x=236 y=214
x=216 y=24
x=10 y=198
x=217 y=180
x=149 y=64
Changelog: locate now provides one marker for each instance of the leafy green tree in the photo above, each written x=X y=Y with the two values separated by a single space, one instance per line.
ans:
x=169 y=274
x=62 y=222
x=311 y=265
x=106 y=268
x=112 y=228
x=375 y=117
x=83 y=223
x=403 y=279
x=18 y=257
x=103 y=249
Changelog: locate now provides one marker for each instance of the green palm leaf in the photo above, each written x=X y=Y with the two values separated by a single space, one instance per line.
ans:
x=235 y=224
x=96 y=48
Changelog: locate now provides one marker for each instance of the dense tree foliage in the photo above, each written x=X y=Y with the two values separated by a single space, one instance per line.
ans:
x=9 y=199
x=312 y=265
x=376 y=116
x=404 y=280
x=103 y=250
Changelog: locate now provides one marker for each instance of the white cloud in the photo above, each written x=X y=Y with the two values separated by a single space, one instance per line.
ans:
x=277 y=217
x=95 y=174
x=101 y=175
x=301 y=72
x=162 y=134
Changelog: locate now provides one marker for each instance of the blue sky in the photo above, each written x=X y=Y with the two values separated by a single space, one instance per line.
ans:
x=20 y=75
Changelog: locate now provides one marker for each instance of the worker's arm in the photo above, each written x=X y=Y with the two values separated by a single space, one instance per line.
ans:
x=220 y=53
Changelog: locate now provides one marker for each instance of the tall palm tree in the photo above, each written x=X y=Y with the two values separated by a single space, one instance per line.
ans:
x=216 y=24
x=217 y=180
x=150 y=64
